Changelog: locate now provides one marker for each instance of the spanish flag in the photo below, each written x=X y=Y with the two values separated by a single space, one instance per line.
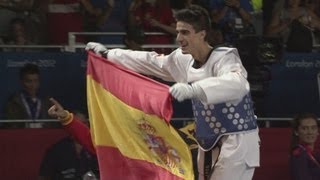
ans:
x=129 y=118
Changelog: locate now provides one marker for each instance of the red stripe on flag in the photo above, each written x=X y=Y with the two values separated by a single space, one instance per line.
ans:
x=149 y=98
x=117 y=166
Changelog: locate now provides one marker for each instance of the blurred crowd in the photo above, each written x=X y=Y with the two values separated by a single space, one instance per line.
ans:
x=48 y=22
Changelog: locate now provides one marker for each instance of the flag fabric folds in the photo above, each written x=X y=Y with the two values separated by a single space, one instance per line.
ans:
x=129 y=118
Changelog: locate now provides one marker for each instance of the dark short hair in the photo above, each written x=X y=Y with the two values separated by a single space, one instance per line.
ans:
x=299 y=117
x=195 y=15
x=29 y=68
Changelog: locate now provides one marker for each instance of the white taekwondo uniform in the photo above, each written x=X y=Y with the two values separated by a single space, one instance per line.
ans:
x=225 y=121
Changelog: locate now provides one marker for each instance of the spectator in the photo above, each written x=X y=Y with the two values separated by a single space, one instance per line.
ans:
x=26 y=11
x=294 y=24
x=28 y=104
x=10 y=10
x=19 y=35
x=93 y=23
x=114 y=19
x=67 y=159
x=305 y=152
x=233 y=18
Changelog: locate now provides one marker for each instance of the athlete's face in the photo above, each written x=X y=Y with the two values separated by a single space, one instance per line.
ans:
x=188 y=39
x=308 y=131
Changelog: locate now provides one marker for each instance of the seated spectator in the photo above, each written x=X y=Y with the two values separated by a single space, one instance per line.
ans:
x=233 y=18
x=27 y=104
x=305 y=149
x=28 y=10
x=10 y=10
x=19 y=35
x=67 y=159
x=295 y=24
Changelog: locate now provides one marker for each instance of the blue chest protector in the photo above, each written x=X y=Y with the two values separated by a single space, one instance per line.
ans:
x=216 y=120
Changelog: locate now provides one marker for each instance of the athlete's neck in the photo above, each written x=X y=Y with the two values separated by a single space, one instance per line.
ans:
x=202 y=57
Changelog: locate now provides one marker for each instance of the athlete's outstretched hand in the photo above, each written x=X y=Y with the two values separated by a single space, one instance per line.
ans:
x=97 y=48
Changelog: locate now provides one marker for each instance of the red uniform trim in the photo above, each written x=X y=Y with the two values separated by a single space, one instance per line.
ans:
x=81 y=133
